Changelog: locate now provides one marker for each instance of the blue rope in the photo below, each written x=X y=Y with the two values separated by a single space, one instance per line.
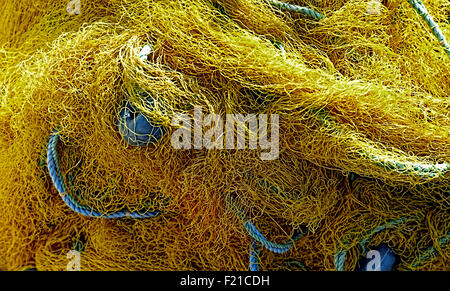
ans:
x=423 y=12
x=421 y=169
x=339 y=260
x=256 y=235
x=58 y=181
x=294 y=8
x=255 y=250
x=271 y=246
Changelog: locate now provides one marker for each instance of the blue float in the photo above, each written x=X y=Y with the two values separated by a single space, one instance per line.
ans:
x=380 y=258
x=137 y=129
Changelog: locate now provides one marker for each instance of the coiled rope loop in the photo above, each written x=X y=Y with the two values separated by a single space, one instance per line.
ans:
x=271 y=246
x=58 y=181
x=256 y=234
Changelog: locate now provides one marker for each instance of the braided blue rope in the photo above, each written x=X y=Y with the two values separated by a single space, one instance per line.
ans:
x=386 y=159
x=271 y=246
x=53 y=164
x=255 y=250
x=339 y=260
x=256 y=234
x=294 y=8
x=258 y=238
x=423 y=12
x=58 y=181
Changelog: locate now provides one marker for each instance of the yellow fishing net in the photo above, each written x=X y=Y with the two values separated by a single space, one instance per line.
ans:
x=362 y=96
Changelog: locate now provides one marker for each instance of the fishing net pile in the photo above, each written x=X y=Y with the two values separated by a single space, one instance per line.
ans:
x=361 y=89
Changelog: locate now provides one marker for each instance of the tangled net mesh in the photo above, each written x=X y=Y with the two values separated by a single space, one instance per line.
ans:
x=363 y=103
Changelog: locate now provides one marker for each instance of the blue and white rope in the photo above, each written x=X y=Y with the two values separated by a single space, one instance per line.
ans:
x=295 y=8
x=271 y=246
x=437 y=32
x=255 y=250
